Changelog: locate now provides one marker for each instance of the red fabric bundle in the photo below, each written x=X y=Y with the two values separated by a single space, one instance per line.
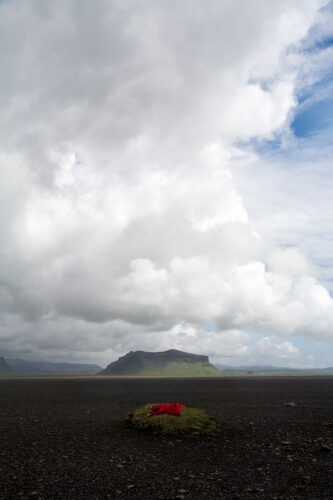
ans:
x=171 y=409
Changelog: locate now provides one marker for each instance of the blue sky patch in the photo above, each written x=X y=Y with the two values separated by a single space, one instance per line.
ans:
x=313 y=119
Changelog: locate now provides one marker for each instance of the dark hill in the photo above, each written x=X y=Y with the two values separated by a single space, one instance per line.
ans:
x=5 y=369
x=171 y=363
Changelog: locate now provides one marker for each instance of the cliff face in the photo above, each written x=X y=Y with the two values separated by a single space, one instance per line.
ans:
x=167 y=363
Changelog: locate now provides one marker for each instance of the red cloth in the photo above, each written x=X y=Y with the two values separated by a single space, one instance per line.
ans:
x=171 y=409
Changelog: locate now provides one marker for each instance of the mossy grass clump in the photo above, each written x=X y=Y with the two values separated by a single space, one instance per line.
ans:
x=193 y=421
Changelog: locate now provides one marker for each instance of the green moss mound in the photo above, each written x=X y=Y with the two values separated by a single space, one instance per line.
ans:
x=193 y=421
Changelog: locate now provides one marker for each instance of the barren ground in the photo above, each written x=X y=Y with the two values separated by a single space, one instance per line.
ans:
x=61 y=439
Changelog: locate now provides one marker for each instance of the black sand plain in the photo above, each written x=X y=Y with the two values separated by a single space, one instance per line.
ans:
x=61 y=439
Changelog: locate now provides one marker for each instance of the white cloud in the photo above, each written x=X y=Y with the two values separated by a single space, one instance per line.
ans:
x=122 y=214
x=289 y=261
x=283 y=350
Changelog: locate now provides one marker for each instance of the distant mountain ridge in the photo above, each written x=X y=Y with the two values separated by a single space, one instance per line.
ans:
x=166 y=363
x=24 y=367
x=5 y=369
x=266 y=370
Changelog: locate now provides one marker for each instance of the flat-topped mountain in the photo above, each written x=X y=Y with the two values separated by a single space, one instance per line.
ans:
x=5 y=369
x=171 y=363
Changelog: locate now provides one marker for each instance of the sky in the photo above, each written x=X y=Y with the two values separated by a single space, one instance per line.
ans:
x=166 y=180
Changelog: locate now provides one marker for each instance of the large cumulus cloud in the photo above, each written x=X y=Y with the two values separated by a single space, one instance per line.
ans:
x=122 y=223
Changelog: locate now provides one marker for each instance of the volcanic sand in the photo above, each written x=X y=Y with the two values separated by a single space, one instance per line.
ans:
x=61 y=439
